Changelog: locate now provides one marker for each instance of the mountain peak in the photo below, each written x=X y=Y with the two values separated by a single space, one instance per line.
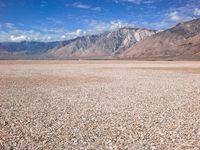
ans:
x=105 y=44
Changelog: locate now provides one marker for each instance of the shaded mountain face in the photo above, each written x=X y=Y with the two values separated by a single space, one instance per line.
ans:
x=108 y=44
x=189 y=47
x=31 y=47
x=181 y=41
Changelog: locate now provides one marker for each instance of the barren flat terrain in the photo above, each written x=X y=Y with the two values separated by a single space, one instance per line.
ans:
x=99 y=105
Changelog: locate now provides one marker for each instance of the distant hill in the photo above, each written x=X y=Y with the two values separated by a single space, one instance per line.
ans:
x=30 y=46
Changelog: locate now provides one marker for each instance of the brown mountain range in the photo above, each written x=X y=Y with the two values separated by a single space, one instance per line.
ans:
x=179 y=42
x=105 y=45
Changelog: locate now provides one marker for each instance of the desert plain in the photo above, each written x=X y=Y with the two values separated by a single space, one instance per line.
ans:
x=108 y=104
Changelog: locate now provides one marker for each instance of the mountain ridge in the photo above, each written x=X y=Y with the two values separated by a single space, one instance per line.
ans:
x=105 y=44
x=166 y=43
x=181 y=41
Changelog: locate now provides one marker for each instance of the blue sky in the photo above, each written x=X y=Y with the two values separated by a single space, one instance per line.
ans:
x=50 y=20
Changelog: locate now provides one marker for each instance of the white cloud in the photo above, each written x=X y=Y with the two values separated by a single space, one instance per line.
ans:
x=134 y=1
x=21 y=24
x=63 y=37
x=81 y=5
x=43 y=3
x=163 y=24
x=14 y=38
x=119 y=24
x=100 y=26
x=49 y=37
x=84 y=6
x=184 y=12
x=150 y=1
x=173 y=16
x=130 y=1
x=196 y=12
x=71 y=35
x=74 y=34
x=96 y=8
x=137 y=1
x=10 y=25
x=96 y=26
x=16 y=34
x=55 y=21
x=78 y=32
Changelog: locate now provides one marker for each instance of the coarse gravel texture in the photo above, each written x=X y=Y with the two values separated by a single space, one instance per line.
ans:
x=99 y=105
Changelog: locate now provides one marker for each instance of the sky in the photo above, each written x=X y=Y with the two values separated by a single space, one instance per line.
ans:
x=54 y=20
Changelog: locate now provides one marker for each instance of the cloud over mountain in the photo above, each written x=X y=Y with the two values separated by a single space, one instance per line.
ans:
x=61 y=20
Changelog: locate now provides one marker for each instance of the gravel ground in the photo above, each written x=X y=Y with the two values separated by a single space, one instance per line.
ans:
x=99 y=105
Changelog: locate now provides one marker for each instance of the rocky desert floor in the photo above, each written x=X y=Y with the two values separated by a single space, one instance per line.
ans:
x=99 y=105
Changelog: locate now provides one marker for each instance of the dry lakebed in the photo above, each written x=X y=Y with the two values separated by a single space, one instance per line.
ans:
x=108 y=104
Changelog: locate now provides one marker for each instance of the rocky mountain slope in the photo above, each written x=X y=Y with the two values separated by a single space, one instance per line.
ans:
x=106 y=44
x=181 y=41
